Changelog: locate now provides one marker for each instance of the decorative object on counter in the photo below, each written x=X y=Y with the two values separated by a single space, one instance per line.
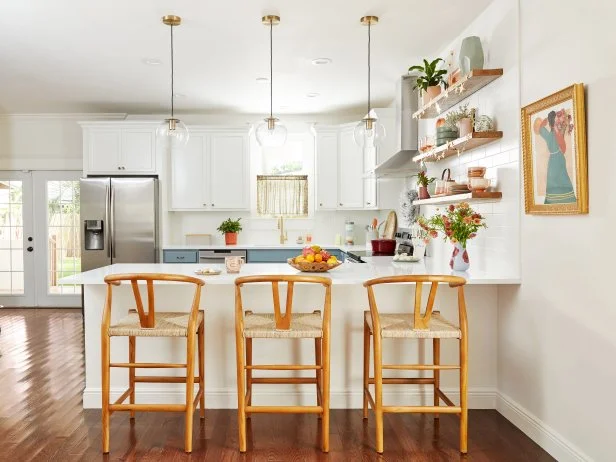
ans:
x=471 y=54
x=299 y=240
x=420 y=238
x=230 y=228
x=172 y=132
x=314 y=259
x=234 y=264
x=371 y=234
x=462 y=119
x=337 y=241
x=422 y=185
x=404 y=258
x=479 y=184
x=271 y=132
x=430 y=79
x=484 y=123
x=554 y=154
x=383 y=247
x=349 y=232
x=459 y=223
x=369 y=131
x=443 y=184
x=309 y=238
x=391 y=225
x=408 y=210
x=207 y=271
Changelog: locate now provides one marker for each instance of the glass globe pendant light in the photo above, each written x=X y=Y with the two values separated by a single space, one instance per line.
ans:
x=172 y=131
x=369 y=131
x=271 y=132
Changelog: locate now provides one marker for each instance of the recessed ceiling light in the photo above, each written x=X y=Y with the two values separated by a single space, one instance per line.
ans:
x=321 y=61
x=262 y=80
x=312 y=95
x=152 y=61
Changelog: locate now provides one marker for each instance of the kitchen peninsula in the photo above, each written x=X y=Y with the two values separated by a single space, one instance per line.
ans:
x=349 y=300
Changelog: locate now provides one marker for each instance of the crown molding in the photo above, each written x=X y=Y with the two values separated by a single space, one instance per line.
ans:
x=66 y=115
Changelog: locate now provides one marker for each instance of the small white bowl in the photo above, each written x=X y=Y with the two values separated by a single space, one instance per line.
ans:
x=478 y=184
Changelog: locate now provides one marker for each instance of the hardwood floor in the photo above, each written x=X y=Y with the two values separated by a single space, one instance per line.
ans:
x=42 y=377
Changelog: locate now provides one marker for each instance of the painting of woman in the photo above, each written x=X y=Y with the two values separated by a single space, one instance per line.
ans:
x=554 y=153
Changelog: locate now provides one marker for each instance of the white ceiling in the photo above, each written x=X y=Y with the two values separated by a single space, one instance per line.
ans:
x=87 y=56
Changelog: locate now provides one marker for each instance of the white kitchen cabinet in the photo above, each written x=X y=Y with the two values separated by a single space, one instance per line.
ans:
x=211 y=172
x=113 y=148
x=341 y=166
x=229 y=171
x=351 y=168
x=327 y=170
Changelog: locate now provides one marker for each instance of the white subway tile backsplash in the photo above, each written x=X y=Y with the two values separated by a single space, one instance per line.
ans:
x=500 y=159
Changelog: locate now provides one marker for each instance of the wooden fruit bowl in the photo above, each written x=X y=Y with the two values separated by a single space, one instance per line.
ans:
x=314 y=267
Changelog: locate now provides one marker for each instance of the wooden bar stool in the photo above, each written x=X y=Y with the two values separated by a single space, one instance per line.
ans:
x=430 y=325
x=140 y=323
x=289 y=325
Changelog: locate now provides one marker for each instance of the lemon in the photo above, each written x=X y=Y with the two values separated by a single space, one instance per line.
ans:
x=316 y=248
x=299 y=259
x=331 y=261
x=310 y=258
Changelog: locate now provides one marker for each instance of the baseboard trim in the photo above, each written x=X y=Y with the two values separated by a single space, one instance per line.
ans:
x=479 y=398
x=545 y=436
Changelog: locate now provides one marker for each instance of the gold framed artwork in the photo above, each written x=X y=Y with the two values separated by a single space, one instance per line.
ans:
x=554 y=154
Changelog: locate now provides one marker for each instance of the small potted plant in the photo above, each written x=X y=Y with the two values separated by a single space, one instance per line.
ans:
x=230 y=228
x=422 y=184
x=459 y=224
x=462 y=119
x=430 y=79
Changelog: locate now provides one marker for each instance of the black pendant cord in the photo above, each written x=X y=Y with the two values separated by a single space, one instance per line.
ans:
x=271 y=69
x=171 y=71
x=369 y=27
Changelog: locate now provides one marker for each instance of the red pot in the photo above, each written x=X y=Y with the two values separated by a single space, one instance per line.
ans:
x=231 y=238
x=384 y=246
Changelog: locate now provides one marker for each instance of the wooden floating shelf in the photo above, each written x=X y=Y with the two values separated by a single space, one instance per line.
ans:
x=474 y=196
x=473 y=81
x=466 y=143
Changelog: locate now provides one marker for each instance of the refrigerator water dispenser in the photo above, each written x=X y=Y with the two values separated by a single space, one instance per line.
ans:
x=94 y=235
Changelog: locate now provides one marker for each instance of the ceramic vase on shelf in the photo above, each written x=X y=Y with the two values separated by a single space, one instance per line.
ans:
x=423 y=192
x=471 y=54
x=459 y=258
x=433 y=92
x=465 y=126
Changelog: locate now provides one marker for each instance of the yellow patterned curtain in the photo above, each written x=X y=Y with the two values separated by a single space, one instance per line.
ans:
x=282 y=195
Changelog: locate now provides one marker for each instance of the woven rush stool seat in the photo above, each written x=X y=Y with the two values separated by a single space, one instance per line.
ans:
x=402 y=325
x=166 y=324
x=263 y=325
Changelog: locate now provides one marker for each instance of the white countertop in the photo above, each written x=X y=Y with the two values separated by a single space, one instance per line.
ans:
x=344 y=248
x=345 y=274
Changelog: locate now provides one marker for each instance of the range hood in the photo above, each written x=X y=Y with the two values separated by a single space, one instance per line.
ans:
x=400 y=165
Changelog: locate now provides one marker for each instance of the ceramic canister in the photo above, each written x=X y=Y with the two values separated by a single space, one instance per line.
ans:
x=471 y=54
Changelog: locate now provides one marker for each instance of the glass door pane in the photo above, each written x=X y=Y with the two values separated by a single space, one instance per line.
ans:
x=57 y=209
x=15 y=221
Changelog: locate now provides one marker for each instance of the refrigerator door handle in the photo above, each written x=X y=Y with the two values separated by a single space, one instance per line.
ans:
x=107 y=228
x=112 y=227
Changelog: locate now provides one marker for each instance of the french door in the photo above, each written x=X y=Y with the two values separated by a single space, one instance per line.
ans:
x=39 y=238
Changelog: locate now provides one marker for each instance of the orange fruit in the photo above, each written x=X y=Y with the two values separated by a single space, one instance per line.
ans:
x=318 y=258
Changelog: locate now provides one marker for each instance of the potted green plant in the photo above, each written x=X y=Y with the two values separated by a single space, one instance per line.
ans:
x=422 y=183
x=430 y=79
x=462 y=119
x=230 y=228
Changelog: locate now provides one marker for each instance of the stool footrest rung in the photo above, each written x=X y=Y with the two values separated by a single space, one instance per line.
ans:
x=148 y=407
x=405 y=380
x=284 y=409
x=423 y=409
x=282 y=367
x=421 y=367
x=149 y=365
x=161 y=379
x=294 y=380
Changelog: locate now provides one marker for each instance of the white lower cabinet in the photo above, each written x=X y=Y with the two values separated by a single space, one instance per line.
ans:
x=340 y=171
x=211 y=172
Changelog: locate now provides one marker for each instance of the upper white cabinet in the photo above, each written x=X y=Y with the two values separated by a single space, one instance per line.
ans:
x=211 y=172
x=340 y=171
x=119 y=148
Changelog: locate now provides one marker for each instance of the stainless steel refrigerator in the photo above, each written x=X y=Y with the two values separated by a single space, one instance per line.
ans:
x=119 y=221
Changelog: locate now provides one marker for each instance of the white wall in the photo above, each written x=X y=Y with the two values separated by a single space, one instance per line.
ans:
x=497 y=245
x=557 y=345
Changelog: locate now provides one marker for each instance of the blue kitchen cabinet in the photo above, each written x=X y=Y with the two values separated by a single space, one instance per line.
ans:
x=280 y=255
x=180 y=256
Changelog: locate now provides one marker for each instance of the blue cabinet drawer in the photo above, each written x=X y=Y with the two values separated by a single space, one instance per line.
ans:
x=180 y=256
x=280 y=255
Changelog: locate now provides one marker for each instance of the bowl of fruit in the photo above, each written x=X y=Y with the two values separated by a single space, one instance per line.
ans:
x=314 y=259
